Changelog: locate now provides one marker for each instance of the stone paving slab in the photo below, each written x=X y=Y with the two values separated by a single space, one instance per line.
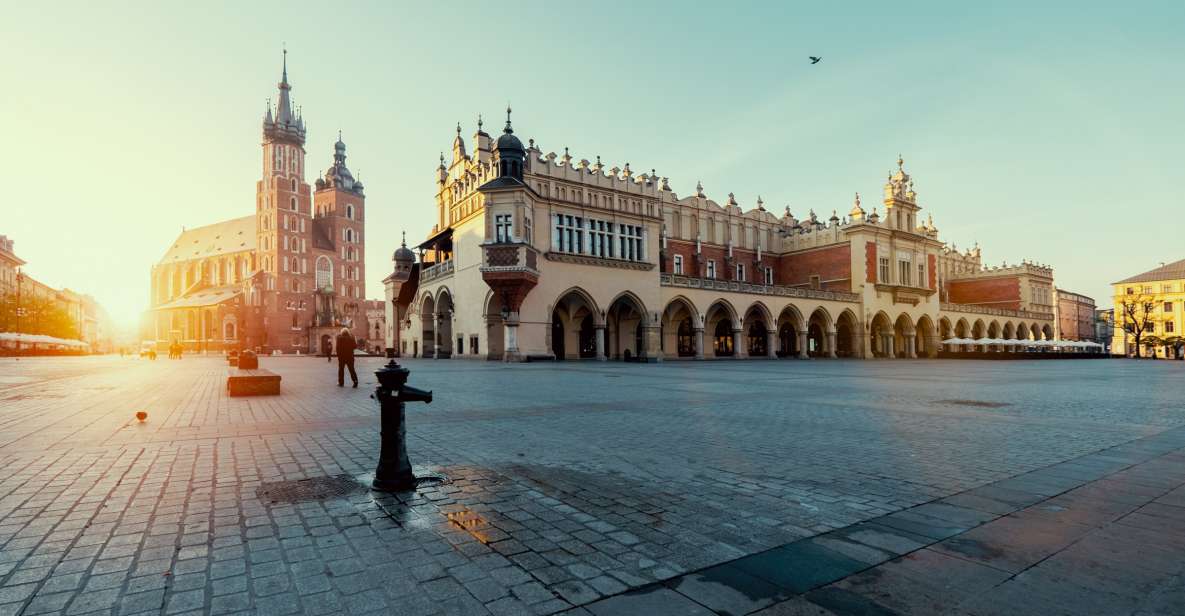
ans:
x=573 y=486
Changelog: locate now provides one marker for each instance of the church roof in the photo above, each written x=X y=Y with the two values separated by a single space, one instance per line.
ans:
x=222 y=238
x=1172 y=271
x=210 y=296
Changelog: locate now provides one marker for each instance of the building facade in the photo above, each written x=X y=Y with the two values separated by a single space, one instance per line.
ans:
x=1155 y=302
x=1076 y=315
x=286 y=278
x=539 y=255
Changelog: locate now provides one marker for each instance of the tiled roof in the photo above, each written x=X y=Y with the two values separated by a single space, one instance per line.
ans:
x=1172 y=271
x=204 y=297
x=226 y=237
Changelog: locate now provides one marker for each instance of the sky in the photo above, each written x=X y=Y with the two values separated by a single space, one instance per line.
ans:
x=1050 y=133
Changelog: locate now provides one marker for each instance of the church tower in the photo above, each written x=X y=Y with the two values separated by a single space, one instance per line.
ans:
x=901 y=202
x=339 y=217
x=283 y=223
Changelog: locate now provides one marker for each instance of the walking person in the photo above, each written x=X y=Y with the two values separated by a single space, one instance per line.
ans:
x=345 y=357
x=328 y=350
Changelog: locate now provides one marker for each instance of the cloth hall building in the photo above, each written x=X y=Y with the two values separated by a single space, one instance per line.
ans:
x=543 y=256
x=285 y=278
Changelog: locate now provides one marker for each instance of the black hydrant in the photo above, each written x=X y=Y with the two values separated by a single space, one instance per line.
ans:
x=394 y=471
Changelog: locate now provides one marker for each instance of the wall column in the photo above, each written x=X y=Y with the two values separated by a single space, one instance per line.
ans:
x=771 y=344
x=511 y=324
x=831 y=339
x=738 y=350
x=890 y=344
x=699 y=343
x=653 y=345
x=911 y=345
x=802 y=345
x=600 y=341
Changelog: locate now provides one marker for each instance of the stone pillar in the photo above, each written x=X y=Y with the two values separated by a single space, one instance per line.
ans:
x=771 y=344
x=600 y=340
x=911 y=346
x=699 y=343
x=890 y=345
x=802 y=344
x=511 y=324
x=831 y=339
x=653 y=344
x=738 y=349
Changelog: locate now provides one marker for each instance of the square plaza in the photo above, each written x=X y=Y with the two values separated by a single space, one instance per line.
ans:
x=773 y=487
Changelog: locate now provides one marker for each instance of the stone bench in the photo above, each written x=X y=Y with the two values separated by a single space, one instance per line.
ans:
x=252 y=382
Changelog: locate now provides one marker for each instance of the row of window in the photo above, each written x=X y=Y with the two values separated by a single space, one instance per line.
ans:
x=1167 y=287
x=740 y=272
x=905 y=271
x=295 y=244
x=286 y=157
x=599 y=238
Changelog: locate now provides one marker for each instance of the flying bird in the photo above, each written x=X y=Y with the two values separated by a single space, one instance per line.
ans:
x=141 y=415
x=815 y=60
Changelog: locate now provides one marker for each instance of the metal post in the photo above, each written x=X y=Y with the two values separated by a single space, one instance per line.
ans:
x=394 y=473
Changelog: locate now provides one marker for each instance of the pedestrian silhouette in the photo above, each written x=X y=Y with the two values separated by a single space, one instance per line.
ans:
x=345 y=357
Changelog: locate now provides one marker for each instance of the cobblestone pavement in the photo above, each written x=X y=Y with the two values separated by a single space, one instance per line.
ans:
x=569 y=483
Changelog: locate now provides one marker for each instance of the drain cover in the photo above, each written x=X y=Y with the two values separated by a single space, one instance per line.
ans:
x=979 y=403
x=313 y=488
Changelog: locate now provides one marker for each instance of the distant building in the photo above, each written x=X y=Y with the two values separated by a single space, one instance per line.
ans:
x=9 y=263
x=540 y=255
x=286 y=278
x=1104 y=326
x=1162 y=290
x=376 y=326
x=1075 y=316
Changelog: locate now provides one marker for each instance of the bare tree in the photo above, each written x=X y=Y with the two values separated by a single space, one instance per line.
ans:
x=1138 y=316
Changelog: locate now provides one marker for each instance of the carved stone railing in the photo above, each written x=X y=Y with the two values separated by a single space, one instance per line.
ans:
x=688 y=282
x=998 y=312
x=437 y=270
x=517 y=257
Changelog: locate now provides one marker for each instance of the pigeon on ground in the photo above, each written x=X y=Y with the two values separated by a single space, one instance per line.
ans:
x=141 y=415
x=815 y=59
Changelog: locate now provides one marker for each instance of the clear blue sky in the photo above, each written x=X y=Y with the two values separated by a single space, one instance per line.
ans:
x=1049 y=133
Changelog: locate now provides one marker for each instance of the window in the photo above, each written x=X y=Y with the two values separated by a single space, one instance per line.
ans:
x=293 y=184
x=884 y=270
x=769 y=276
x=473 y=345
x=324 y=273
x=293 y=203
x=569 y=232
x=1168 y=306
x=350 y=211
x=816 y=282
x=679 y=264
x=921 y=275
x=1129 y=290
x=460 y=345
x=712 y=269
x=903 y=268
x=1168 y=327
x=740 y=271
x=502 y=228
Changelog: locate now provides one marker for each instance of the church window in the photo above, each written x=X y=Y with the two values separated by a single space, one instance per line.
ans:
x=293 y=184
x=350 y=211
x=285 y=264
x=295 y=322
x=324 y=273
x=295 y=265
x=285 y=239
x=294 y=203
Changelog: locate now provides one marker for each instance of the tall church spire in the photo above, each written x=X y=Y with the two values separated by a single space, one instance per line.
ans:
x=284 y=109
x=284 y=125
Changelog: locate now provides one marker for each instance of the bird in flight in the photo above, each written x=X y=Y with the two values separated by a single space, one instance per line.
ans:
x=815 y=60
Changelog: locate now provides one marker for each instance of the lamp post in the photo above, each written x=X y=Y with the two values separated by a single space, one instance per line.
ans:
x=20 y=277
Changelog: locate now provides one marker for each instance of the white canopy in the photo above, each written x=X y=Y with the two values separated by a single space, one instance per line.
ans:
x=31 y=339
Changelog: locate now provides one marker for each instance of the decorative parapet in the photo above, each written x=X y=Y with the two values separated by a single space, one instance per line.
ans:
x=519 y=257
x=564 y=257
x=1032 y=269
x=998 y=312
x=688 y=282
x=438 y=270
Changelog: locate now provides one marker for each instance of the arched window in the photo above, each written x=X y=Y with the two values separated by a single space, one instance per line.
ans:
x=293 y=184
x=294 y=203
x=295 y=323
x=295 y=265
x=229 y=331
x=350 y=211
x=324 y=273
x=349 y=235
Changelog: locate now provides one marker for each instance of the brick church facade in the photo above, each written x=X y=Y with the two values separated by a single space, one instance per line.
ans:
x=284 y=279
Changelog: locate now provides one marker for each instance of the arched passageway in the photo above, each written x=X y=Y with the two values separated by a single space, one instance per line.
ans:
x=574 y=332
x=444 y=326
x=818 y=334
x=495 y=329
x=721 y=322
x=681 y=334
x=428 y=323
x=625 y=323
x=925 y=338
x=905 y=337
x=881 y=336
x=760 y=340
x=791 y=333
x=846 y=343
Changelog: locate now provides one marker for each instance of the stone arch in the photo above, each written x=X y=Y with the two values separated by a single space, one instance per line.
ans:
x=444 y=323
x=904 y=336
x=880 y=332
x=847 y=342
x=925 y=337
x=759 y=331
x=723 y=326
x=962 y=329
x=495 y=327
x=1035 y=331
x=626 y=328
x=1009 y=331
x=1047 y=332
x=945 y=329
x=791 y=327
x=1022 y=331
x=818 y=332
x=575 y=321
x=428 y=325
x=682 y=331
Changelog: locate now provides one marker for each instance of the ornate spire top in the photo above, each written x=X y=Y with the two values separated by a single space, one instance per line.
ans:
x=508 y=130
x=699 y=188
x=760 y=203
x=732 y=200
x=900 y=163
x=441 y=166
x=479 y=122
x=458 y=129
x=404 y=242
x=284 y=77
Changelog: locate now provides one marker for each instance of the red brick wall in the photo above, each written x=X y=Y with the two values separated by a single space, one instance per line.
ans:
x=831 y=263
x=687 y=249
x=991 y=292
x=932 y=268
x=870 y=261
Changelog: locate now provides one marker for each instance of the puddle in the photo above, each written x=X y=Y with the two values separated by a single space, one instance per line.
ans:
x=974 y=403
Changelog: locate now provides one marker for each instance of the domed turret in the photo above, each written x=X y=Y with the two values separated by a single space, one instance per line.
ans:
x=511 y=155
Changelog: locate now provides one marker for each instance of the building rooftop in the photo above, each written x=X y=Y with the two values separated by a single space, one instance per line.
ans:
x=222 y=238
x=1171 y=271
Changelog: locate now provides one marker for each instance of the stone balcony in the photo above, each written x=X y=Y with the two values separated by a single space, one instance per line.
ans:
x=510 y=257
x=999 y=312
x=688 y=282
x=437 y=270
